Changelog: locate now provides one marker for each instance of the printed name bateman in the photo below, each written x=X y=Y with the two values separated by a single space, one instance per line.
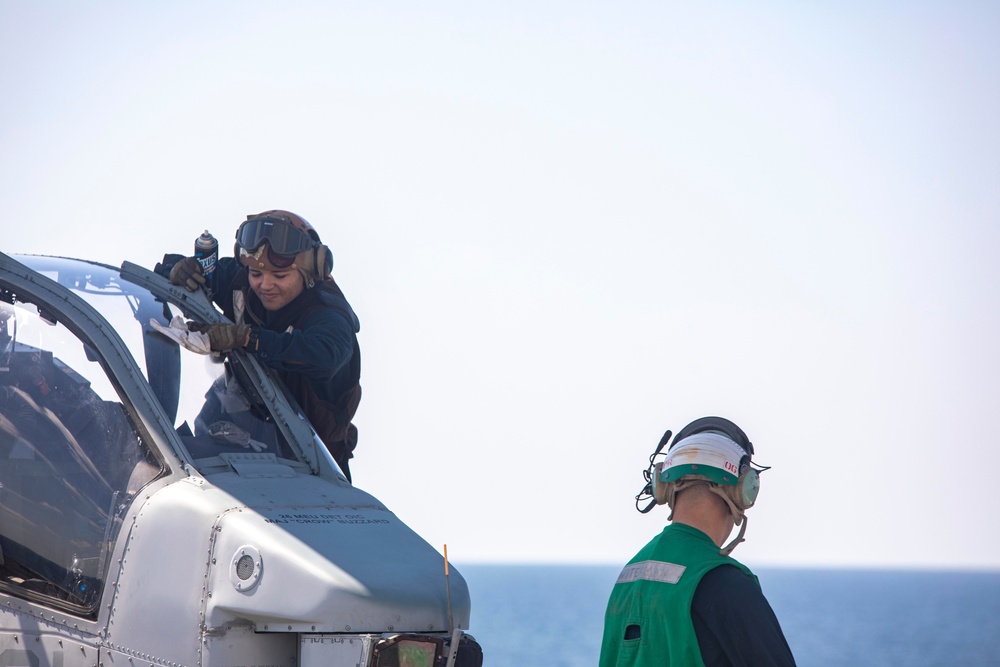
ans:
x=325 y=518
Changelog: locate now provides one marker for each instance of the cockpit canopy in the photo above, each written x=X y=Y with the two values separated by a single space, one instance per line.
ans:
x=75 y=449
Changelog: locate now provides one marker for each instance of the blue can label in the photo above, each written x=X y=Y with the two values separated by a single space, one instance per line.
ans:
x=207 y=264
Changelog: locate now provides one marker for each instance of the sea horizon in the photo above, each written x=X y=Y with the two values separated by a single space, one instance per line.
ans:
x=552 y=614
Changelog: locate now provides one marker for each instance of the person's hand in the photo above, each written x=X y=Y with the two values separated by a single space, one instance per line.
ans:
x=187 y=274
x=223 y=337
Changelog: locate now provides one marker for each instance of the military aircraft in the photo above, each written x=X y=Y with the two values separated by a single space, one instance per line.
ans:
x=165 y=508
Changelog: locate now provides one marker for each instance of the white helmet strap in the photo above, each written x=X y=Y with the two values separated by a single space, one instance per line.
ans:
x=670 y=490
x=728 y=549
x=726 y=492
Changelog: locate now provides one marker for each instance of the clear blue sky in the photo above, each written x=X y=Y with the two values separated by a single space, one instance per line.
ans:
x=569 y=226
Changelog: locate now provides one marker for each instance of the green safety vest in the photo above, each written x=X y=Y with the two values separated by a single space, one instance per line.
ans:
x=654 y=592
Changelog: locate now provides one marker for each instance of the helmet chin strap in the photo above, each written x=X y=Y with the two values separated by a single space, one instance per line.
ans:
x=728 y=549
x=739 y=518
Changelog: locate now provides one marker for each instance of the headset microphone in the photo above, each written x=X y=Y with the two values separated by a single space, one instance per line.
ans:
x=648 y=473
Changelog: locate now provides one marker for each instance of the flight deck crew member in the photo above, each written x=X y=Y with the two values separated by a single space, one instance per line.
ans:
x=682 y=600
x=291 y=315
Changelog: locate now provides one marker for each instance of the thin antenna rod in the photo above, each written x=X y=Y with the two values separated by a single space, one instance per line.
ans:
x=447 y=588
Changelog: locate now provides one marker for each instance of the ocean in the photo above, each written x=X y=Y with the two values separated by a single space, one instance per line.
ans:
x=553 y=615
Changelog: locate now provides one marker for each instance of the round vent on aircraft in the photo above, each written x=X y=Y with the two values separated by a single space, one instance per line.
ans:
x=244 y=570
x=244 y=567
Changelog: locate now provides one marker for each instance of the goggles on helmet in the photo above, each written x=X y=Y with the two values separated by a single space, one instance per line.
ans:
x=280 y=235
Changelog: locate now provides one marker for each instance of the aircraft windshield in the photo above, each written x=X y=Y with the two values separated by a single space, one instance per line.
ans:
x=212 y=403
x=72 y=459
x=74 y=452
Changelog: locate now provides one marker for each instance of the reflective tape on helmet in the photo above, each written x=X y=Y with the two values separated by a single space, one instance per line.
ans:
x=710 y=455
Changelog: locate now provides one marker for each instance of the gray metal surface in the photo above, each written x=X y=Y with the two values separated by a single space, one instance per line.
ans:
x=206 y=554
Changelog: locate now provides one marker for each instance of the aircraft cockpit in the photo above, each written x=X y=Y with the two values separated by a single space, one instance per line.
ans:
x=71 y=460
x=72 y=452
x=158 y=505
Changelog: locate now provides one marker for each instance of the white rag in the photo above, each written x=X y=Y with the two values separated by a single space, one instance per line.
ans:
x=195 y=341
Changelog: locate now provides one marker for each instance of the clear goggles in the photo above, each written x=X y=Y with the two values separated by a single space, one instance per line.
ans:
x=280 y=235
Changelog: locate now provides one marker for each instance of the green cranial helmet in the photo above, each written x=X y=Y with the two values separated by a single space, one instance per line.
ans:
x=712 y=451
x=715 y=458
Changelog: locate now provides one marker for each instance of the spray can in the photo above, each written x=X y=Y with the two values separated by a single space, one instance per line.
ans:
x=206 y=251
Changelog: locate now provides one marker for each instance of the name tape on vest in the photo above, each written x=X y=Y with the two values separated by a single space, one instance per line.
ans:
x=652 y=570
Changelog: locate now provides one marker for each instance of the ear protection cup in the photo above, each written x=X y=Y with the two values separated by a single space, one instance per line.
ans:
x=661 y=490
x=319 y=258
x=747 y=488
x=317 y=262
x=323 y=262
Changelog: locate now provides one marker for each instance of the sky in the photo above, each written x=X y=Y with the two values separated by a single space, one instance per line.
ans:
x=567 y=227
